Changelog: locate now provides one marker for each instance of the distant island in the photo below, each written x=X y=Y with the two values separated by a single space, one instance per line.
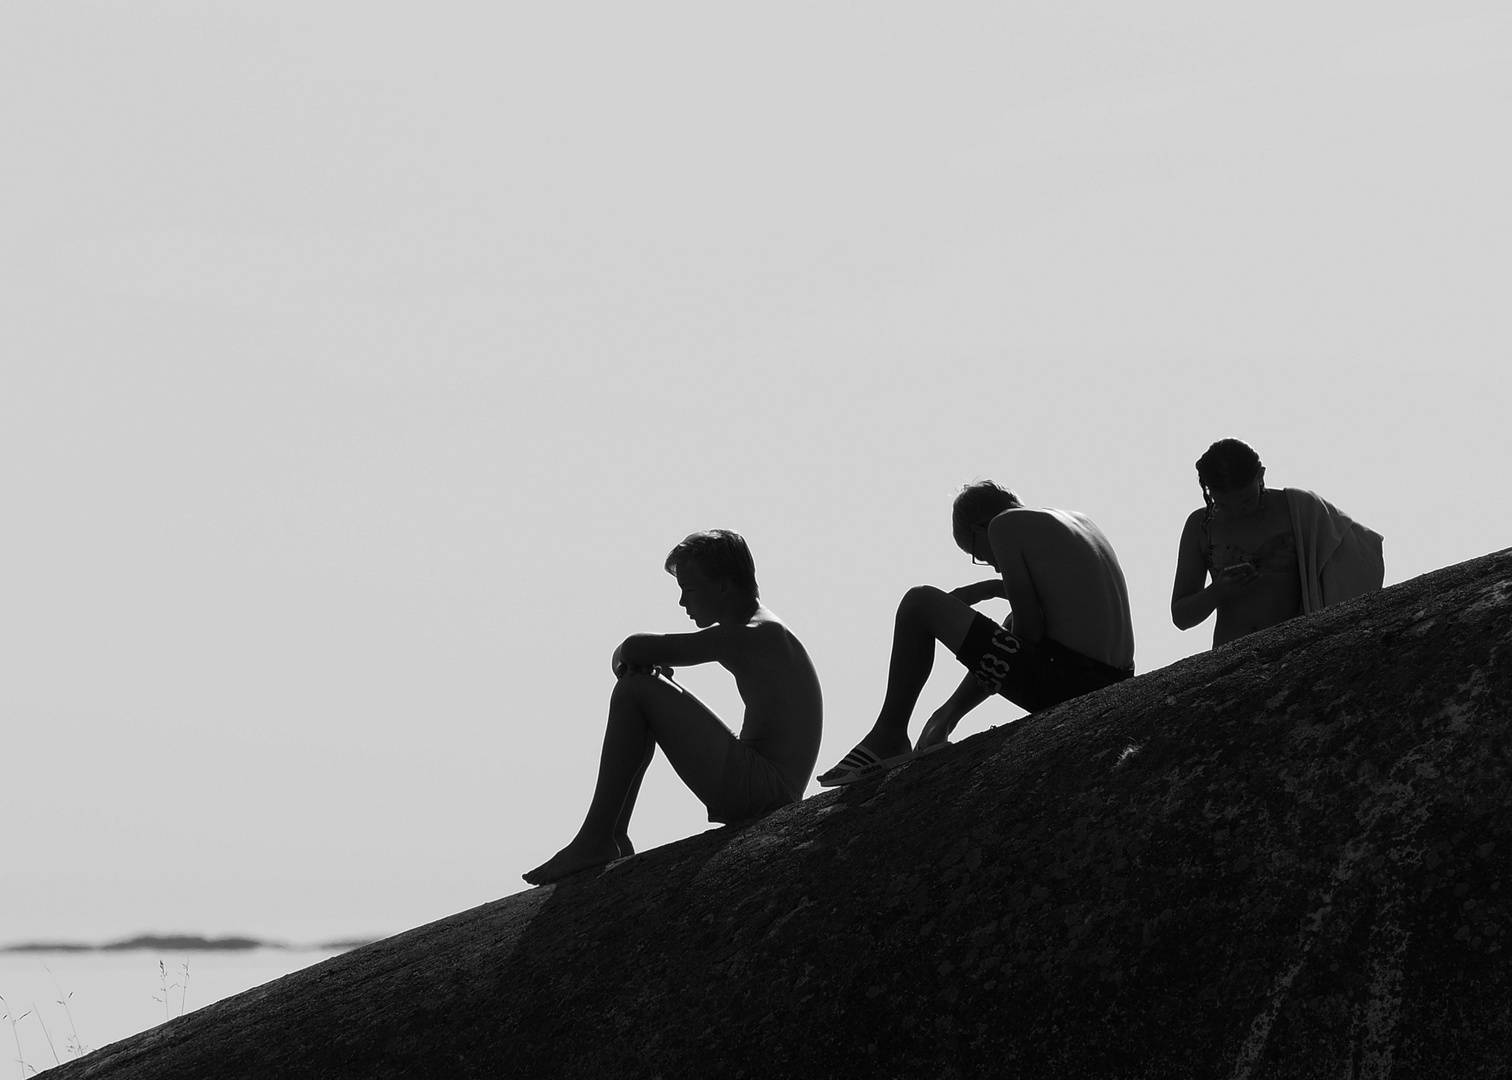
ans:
x=181 y=943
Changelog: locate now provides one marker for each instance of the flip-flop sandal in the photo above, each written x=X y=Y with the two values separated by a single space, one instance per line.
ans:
x=860 y=764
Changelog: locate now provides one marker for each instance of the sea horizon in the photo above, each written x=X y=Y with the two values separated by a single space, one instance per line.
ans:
x=180 y=942
x=62 y=1003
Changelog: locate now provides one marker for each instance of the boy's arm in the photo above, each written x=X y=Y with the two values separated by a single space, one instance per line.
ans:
x=943 y=721
x=1192 y=598
x=620 y=668
x=716 y=644
x=976 y=592
x=1008 y=537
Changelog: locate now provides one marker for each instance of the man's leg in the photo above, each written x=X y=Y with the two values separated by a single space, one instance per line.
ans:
x=692 y=736
x=644 y=711
x=622 y=826
x=925 y=615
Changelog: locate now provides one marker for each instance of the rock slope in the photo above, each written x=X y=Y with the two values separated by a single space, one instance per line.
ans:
x=1290 y=857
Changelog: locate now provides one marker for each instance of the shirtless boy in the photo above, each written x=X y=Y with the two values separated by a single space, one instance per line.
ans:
x=1069 y=632
x=766 y=767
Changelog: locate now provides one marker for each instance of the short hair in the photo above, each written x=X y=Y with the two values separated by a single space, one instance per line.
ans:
x=719 y=553
x=1228 y=463
x=976 y=504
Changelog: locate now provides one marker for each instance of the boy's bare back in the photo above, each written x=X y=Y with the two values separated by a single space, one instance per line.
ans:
x=1064 y=582
x=777 y=681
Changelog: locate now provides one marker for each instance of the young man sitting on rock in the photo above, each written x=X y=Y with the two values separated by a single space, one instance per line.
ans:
x=1069 y=632
x=766 y=767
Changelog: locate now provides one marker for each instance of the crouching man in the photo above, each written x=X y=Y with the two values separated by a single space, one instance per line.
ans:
x=1069 y=632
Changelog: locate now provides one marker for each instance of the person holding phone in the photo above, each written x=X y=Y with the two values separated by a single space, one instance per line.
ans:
x=1258 y=556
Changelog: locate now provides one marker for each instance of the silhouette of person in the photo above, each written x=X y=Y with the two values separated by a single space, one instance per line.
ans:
x=1259 y=556
x=1069 y=632
x=766 y=767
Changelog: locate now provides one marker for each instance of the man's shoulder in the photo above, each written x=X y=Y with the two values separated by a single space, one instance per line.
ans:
x=766 y=625
x=1020 y=516
x=1049 y=533
x=1043 y=520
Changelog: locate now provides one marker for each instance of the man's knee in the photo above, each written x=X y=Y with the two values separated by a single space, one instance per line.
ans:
x=921 y=598
x=934 y=611
x=925 y=605
x=638 y=686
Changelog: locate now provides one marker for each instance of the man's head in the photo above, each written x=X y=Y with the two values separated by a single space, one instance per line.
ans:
x=1228 y=464
x=1232 y=479
x=720 y=555
x=977 y=504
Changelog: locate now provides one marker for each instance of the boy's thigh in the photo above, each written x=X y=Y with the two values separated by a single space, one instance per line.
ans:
x=1002 y=662
x=694 y=738
x=1032 y=676
x=751 y=787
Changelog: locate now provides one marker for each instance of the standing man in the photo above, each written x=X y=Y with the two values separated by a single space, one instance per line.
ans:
x=1069 y=632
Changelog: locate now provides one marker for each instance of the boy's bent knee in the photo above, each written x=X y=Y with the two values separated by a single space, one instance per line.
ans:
x=934 y=611
x=639 y=685
x=921 y=596
x=921 y=600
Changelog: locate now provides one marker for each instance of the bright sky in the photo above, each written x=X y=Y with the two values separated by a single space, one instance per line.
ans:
x=361 y=363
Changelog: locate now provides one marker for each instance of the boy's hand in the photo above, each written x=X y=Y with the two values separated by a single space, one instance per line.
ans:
x=937 y=730
x=622 y=669
x=1235 y=578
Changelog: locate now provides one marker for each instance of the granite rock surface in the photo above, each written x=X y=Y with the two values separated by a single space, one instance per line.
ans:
x=1289 y=857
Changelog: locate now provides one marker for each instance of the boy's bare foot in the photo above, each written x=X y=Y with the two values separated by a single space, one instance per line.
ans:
x=571 y=859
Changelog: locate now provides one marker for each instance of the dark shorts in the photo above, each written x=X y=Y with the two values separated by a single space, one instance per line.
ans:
x=1032 y=676
x=751 y=787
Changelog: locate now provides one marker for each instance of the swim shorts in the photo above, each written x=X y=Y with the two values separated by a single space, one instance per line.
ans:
x=751 y=787
x=1032 y=676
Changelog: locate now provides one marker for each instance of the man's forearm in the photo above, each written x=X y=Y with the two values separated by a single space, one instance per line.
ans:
x=1191 y=610
x=976 y=592
x=968 y=695
x=636 y=655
